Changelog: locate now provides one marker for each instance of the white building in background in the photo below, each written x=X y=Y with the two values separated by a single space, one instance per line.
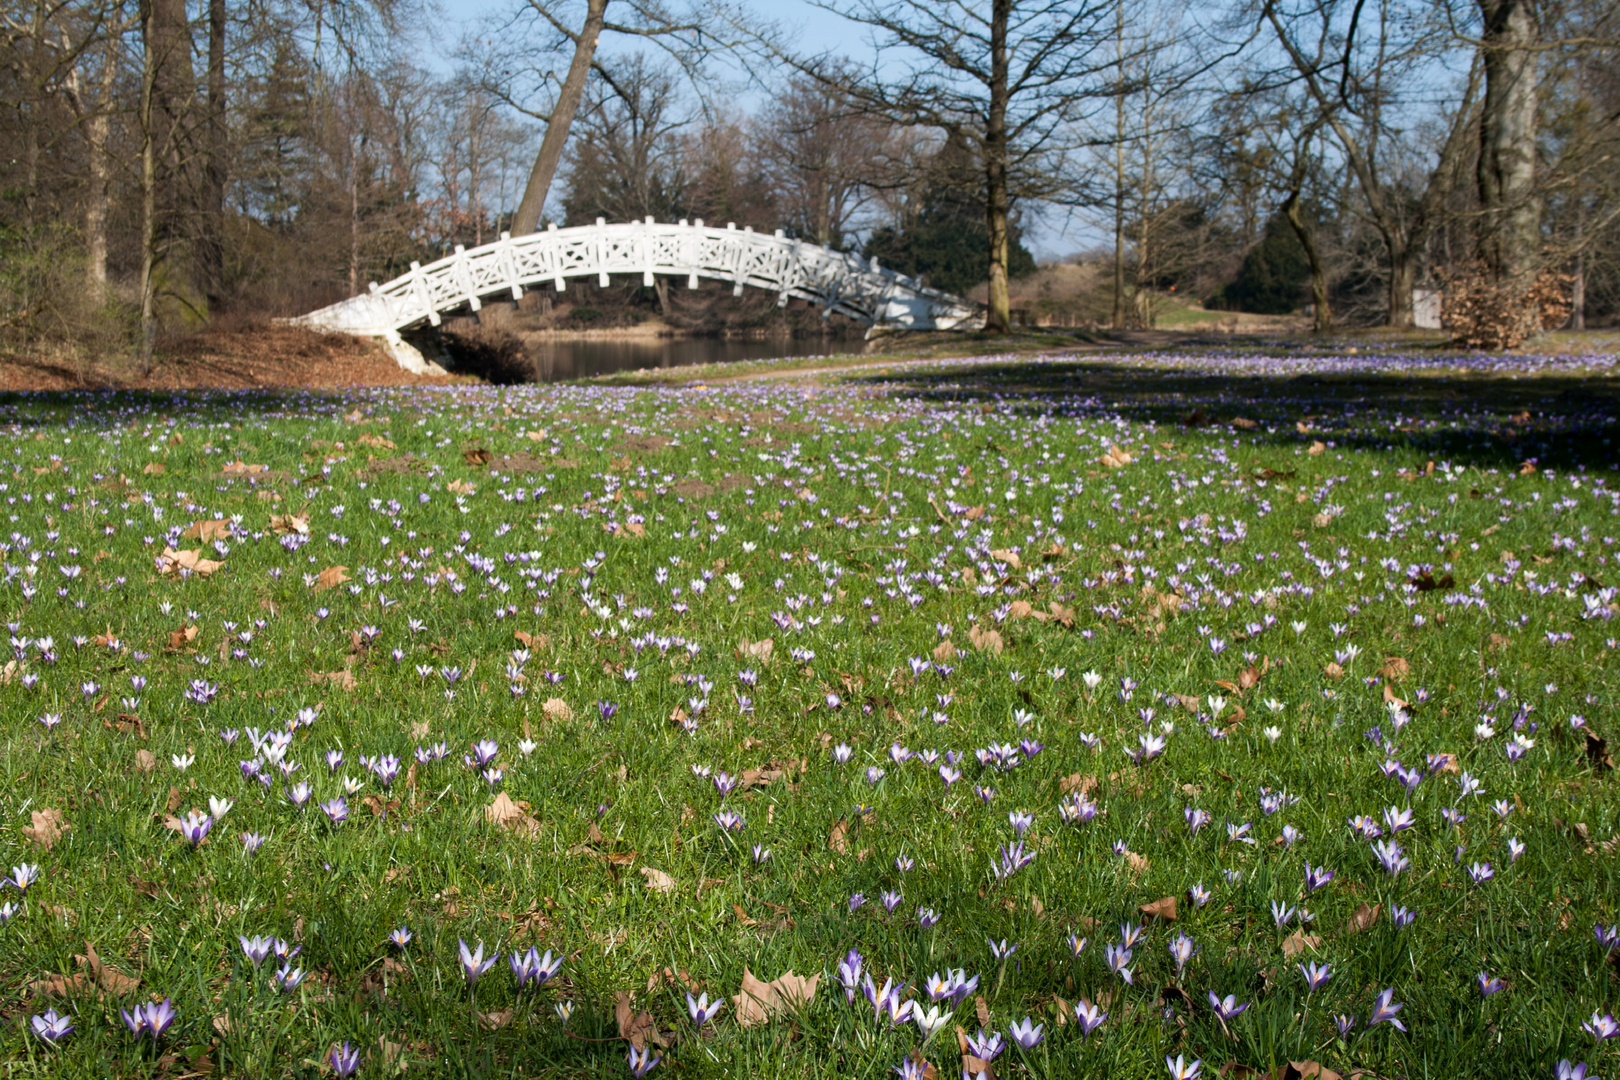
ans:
x=1426 y=308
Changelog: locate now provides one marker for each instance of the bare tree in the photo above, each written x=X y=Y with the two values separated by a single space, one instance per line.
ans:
x=826 y=159
x=1005 y=78
x=1358 y=68
x=545 y=28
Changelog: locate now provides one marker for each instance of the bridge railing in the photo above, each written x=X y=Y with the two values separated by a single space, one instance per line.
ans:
x=793 y=269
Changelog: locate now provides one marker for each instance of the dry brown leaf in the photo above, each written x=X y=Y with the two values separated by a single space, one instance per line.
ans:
x=755 y=650
x=1333 y=670
x=217 y=529
x=1395 y=669
x=1364 y=918
x=557 y=709
x=178 y=638
x=1298 y=942
x=512 y=816
x=638 y=1028
x=838 y=838
x=461 y=487
x=657 y=880
x=1309 y=1070
x=155 y=468
x=172 y=562
x=945 y=651
x=368 y=439
x=1115 y=458
x=331 y=578
x=145 y=761
x=1007 y=556
x=1317 y=447
x=343 y=680
x=492 y=1021
x=242 y=468
x=1597 y=752
x=290 y=523
x=1084 y=784
x=986 y=640
x=981 y=1009
x=1020 y=609
x=1248 y=678
x=47 y=828
x=759 y=1001
x=477 y=455
x=1163 y=909
x=1139 y=864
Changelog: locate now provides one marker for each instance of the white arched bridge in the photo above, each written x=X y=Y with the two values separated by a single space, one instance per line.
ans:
x=837 y=281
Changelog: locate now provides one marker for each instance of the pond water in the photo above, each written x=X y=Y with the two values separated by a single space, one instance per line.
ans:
x=577 y=359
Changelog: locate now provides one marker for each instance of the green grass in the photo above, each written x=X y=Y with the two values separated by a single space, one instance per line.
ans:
x=831 y=504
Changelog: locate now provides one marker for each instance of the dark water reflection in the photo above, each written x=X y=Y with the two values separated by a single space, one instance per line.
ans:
x=577 y=359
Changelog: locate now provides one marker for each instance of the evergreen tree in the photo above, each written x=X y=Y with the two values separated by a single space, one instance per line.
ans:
x=1273 y=276
x=947 y=240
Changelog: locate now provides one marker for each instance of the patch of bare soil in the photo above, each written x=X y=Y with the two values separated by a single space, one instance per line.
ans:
x=254 y=356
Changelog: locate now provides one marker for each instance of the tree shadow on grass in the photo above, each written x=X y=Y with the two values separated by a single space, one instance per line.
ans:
x=1554 y=420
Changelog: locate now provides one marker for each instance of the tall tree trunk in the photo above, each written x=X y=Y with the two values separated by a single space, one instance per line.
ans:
x=1322 y=314
x=1402 y=278
x=1577 y=294
x=98 y=163
x=998 y=319
x=1510 y=223
x=1119 y=171
x=211 y=196
x=166 y=90
x=527 y=218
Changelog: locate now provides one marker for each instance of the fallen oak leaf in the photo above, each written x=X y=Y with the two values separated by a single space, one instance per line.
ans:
x=331 y=578
x=217 y=529
x=511 y=816
x=657 y=880
x=47 y=828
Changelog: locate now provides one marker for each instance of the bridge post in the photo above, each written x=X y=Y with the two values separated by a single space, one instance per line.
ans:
x=647 y=252
x=509 y=265
x=741 y=246
x=601 y=254
x=463 y=276
x=553 y=248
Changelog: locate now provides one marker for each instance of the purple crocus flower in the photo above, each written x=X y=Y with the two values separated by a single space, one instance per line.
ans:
x=194 y=827
x=336 y=809
x=1180 y=1069
x=1384 y=1010
x=1088 y=1016
x=51 y=1027
x=23 y=876
x=1565 y=1071
x=149 y=1019
x=701 y=1010
x=1316 y=877
x=1601 y=1027
x=1228 y=1008
x=1480 y=873
x=251 y=842
x=531 y=967
x=912 y=1068
x=642 y=1061
x=256 y=949
x=473 y=965
x=345 y=1060
x=989 y=1047
x=849 y=973
x=1488 y=984
x=400 y=937
x=1027 y=1034
x=1316 y=975
x=891 y=899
